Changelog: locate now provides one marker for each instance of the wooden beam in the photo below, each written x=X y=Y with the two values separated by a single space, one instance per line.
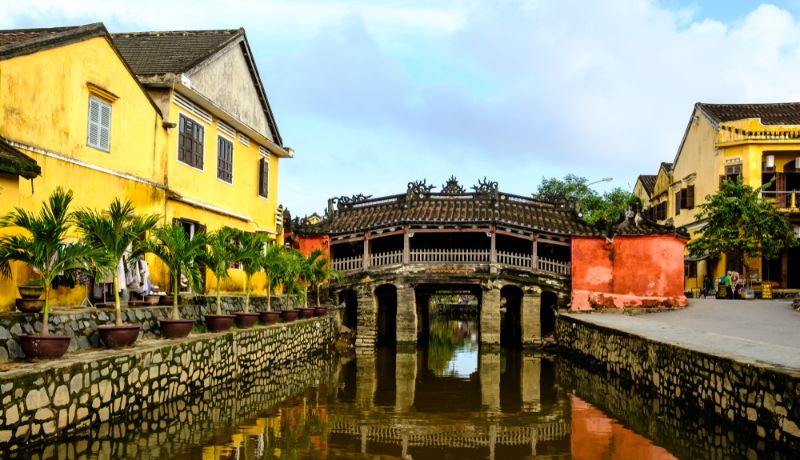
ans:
x=373 y=235
x=450 y=230
x=366 y=251
x=514 y=235
x=406 y=246
x=348 y=240
x=493 y=246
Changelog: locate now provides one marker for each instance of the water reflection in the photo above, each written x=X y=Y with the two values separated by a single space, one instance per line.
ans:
x=450 y=400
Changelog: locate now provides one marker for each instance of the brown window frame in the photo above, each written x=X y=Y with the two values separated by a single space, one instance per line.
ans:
x=263 y=177
x=191 y=142
x=224 y=160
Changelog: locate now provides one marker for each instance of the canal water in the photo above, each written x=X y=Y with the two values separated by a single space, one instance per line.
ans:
x=447 y=400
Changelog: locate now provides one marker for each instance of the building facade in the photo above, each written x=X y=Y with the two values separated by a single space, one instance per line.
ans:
x=77 y=102
x=759 y=143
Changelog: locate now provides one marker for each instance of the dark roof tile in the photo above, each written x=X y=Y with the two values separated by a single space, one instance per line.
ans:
x=12 y=161
x=783 y=113
x=648 y=182
x=19 y=42
x=174 y=52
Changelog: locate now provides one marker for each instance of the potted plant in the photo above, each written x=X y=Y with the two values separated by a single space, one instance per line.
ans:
x=250 y=255
x=112 y=234
x=318 y=273
x=43 y=247
x=179 y=253
x=273 y=268
x=292 y=265
x=30 y=293
x=218 y=257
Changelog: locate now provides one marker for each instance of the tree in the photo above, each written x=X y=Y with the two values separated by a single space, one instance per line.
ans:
x=741 y=221
x=274 y=267
x=219 y=255
x=43 y=247
x=250 y=254
x=316 y=272
x=179 y=253
x=112 y=233
x=574 y=191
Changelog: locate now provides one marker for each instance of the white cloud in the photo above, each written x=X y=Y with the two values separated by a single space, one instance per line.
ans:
x=383 y=93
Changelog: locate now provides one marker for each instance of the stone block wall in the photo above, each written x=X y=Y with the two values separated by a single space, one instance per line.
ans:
x=759 y=401
x=81 y=323
x=48 y=399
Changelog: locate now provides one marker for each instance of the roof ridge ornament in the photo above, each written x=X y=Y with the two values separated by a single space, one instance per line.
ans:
x=419 y=189
x=347 y=202
x=452 y=187
x=485 y=186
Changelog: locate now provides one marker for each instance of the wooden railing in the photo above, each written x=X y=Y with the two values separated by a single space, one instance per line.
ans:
x=514 y=259
x=449 y=256
x=452 y=256
x=554 y=266
x=782 y=200
x=348 y=264
x=386 y=258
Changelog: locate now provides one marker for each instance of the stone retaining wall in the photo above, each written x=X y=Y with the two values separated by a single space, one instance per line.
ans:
x=46 y=400
x=81 y=323
x=760 y=401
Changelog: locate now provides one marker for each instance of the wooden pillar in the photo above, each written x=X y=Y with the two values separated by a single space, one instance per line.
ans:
x=366 y=250
x=406 y=246
x=535 y=252
x=493 y=246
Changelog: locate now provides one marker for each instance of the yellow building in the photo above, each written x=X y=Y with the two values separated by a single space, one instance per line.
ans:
x=757 y=142
x=223 y=144
x=196 y=143
x=643 y=189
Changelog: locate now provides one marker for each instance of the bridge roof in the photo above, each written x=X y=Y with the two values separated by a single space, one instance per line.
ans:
x=480 y=208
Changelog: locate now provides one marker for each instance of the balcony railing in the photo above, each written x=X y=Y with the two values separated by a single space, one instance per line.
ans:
x=783 y=200
x=452 y=256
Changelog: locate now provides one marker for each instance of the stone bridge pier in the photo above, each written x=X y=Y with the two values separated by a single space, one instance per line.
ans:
x=396 y=311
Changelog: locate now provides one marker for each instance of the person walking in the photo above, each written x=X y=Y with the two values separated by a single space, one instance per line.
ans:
x=728 y=285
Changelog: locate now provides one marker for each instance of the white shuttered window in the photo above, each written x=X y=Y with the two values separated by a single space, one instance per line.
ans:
x=99 y=131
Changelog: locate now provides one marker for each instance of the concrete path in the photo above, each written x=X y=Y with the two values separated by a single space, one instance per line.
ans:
x=747 y=330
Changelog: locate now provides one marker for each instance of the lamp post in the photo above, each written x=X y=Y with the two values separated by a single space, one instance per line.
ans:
x=605 y=179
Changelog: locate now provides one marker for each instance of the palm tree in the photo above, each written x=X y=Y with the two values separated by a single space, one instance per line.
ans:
x=43 y=247
x=292 y=268
x=179 y=253
x=250 y=254
x=220 y=254
x=111 y=233
x=274 y=266
x=318 y=273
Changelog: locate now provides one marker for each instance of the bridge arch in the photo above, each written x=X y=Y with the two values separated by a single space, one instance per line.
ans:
x=547 y=313
x=386 y=299
x=511 y=316
x=350 y=299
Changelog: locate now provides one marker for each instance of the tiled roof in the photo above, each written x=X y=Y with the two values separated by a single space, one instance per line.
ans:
x=12 y=161
x=463 y=209
x=783 y=113
x=155 y=53
x=18 y=42
x=648 y=182
x=667 y=166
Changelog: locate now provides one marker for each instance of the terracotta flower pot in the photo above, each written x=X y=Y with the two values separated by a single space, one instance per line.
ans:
x=119 y=336
x=246 y=320
x=218 y=323
x=306 y=312
x=175 y=328
x=30 y=305
x=269 y=317
x=289 y=315
x=322 y=310
x=30 y=291
x=49 y=346
x=152 y=299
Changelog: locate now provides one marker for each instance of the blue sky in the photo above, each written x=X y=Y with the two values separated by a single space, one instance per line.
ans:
x=372 y=95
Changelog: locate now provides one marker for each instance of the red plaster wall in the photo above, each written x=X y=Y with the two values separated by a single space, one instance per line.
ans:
x=628 y=272
x=307 y=244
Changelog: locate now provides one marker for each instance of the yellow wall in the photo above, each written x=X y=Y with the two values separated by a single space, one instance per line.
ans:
x=241 y=197
x=45 y=100
x=640 y=192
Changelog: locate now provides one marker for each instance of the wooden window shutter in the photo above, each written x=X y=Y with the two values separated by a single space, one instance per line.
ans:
x=690 y=197
x=99 y=126
x=224 y=160
x=780 y=182
x=677 y=202
x=684 y=198
x=263 y=177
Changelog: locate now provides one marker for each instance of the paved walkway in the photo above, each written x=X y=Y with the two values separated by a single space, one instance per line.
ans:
x=747 y=330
